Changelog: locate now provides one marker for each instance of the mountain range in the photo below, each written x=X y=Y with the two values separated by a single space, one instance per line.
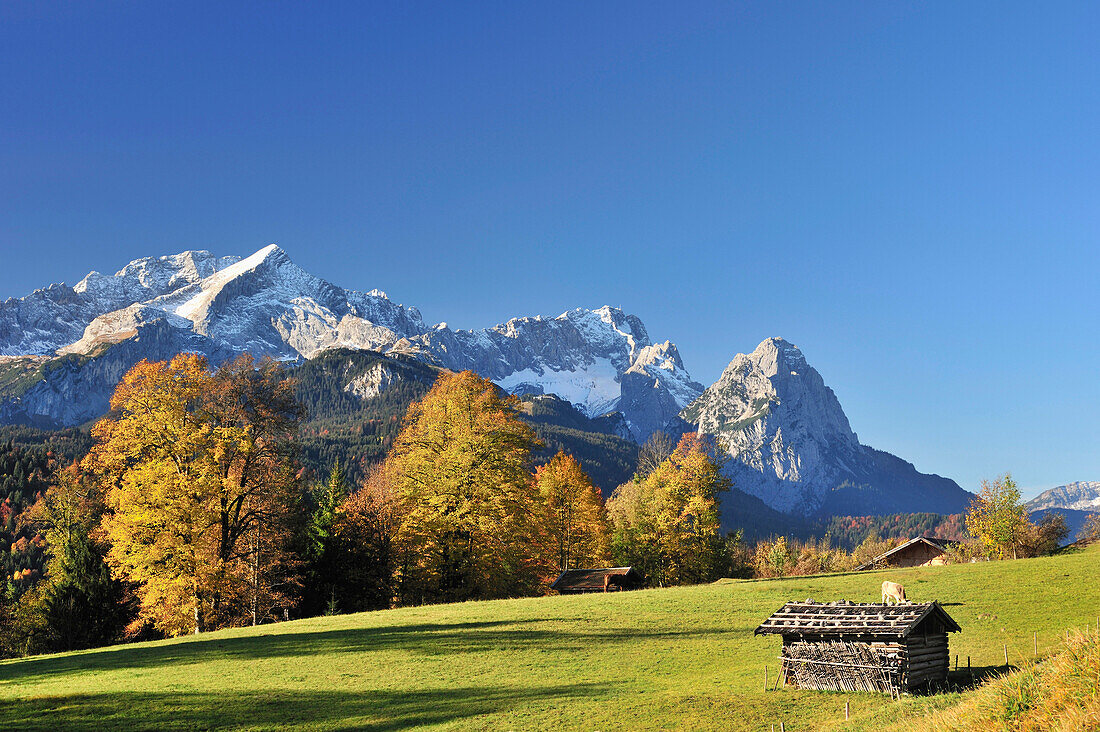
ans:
x=792 y=451
x=1074 y=501
x=1081 y=496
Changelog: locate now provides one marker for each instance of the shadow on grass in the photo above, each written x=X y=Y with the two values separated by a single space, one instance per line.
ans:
x=375 y=710
x=964 y=680
x=429 y=639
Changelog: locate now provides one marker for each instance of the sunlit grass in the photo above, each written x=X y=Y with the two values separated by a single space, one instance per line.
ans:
x=681 y=658
x=1060 y=693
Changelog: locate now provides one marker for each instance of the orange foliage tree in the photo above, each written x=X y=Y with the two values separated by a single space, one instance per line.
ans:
x=470 y=518
x=199 y=482
x=576 y=521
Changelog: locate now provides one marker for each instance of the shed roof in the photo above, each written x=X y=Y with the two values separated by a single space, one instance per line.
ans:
x=932 y=541
x=850 y=618
x=582 y=580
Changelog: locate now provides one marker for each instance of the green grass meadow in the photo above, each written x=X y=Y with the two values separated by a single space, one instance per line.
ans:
x=682 y=658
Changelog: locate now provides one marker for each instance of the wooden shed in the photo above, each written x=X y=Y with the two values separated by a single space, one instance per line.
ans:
x=846 y=646
x=923 y=551
x=577 y=581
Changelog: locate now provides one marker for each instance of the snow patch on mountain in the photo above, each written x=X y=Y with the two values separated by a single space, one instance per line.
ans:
x=594 y=386
x=600 y=360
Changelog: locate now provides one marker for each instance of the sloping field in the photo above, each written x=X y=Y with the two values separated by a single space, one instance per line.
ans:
x=656 y=659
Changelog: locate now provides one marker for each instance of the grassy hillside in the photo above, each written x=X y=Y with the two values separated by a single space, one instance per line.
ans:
x=655 y=659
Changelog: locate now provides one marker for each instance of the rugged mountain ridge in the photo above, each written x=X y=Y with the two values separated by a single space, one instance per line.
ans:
x=1080 y=496
x=599 y=360
x=55 y=316
x=62 y=350
x=67 y=347
x=791 y=445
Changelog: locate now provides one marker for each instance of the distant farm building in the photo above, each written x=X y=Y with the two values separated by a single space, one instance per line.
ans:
x=577 y=581
x=844 y=646
x=923 y=551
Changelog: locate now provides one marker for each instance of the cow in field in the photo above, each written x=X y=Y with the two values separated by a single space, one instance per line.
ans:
x=893 y=590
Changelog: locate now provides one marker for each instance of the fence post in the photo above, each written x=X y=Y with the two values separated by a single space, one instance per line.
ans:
x=845 y=709
x=1006 y=654
x=765 y=678
x=1035 y=643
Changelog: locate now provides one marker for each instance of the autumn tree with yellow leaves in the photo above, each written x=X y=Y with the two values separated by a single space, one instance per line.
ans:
x=199 y=482
x=667 y=523
x=470 y=517
x=576 y=525
x=998 y=518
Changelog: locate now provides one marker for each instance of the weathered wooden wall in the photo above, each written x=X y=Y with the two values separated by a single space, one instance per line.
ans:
x=917 y=555
x=865 y=663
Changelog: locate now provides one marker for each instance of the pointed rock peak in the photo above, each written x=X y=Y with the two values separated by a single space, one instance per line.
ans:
x=266 y=260
x=776 y=355
x=92 y=276
x=659 y=352
x=272 y=253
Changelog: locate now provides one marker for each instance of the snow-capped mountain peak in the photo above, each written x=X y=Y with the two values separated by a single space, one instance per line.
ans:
x=1080 y=496
x=150 y=276
x=600 y=360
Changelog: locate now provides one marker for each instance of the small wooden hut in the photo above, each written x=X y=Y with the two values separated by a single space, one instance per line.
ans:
x=577 y=581
x=922 y=551
x=845 y=646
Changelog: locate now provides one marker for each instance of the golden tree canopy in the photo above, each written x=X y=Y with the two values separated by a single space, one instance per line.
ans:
x=997 y=517
x=668 y=521
x=576 y=522
x=198 y=481
x=461 y=468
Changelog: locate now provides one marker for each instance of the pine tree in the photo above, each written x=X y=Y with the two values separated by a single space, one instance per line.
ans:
x=84 y=606
x=321 y=553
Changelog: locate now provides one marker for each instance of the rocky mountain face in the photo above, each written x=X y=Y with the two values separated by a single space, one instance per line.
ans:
x=791 y=445
x=1080 y=496
x=68 y=347
x=599 y=360
x=55 y=316
x=63 y=349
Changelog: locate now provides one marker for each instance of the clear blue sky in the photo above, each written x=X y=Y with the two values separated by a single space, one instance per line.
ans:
x=909 y=192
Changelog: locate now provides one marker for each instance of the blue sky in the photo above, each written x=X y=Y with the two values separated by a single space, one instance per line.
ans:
x=908 y=191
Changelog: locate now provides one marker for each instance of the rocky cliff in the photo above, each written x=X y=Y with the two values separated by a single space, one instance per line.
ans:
x=791 y=445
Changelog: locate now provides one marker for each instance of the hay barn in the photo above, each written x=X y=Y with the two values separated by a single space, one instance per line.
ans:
x=845 y=646
x=577 y=581
x=923 y=551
